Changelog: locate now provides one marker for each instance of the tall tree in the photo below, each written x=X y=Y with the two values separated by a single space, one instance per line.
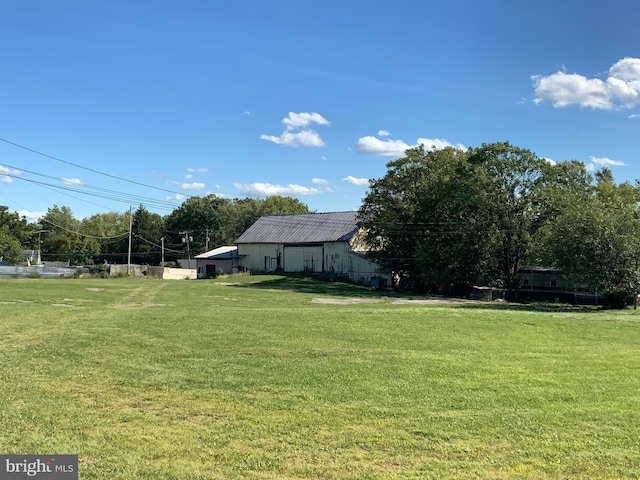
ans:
x=206 y=220
x=426 y=220
x=512 y=177
x=448 y=219
x=18 y=227
x=65 y=241
x=10 y=248
x=147 y=230
x=596 y=242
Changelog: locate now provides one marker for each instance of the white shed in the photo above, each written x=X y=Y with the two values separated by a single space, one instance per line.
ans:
x=222 y=259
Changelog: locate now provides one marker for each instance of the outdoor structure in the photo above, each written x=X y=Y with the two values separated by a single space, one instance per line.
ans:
x=543 y=278
x=31 y=257
x=309 y=242
x=219 y=260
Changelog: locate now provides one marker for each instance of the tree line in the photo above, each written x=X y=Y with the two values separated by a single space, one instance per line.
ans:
x=439 y=220
x=207 y=222
x=446 y=220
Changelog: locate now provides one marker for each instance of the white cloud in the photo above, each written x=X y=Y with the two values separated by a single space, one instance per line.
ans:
x=191 y=171
x=178 y=196
x=385 y=148
x=396 y=148
x=72 y=181
x=246 y=113
x=32 y=217
x=7 y=173
x=319 y=181
x=550 y=161
x=296 y=134
x=384 y=133
x=606 y=162
x=634 y=116
x=190 y=186
x=303 y=119
x=266 y=189
x=356 y=181
x=438 y=144
x=304 y=138
x=621 y=88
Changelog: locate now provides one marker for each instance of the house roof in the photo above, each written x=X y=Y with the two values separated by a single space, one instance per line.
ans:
x=302 y=228
x=226 y=252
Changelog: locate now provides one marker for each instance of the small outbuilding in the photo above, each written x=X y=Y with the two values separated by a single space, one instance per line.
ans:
x=219 y=260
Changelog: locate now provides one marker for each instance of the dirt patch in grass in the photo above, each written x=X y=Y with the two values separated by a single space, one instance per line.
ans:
x=144 y=305
x=408 y=301
x=344 y=301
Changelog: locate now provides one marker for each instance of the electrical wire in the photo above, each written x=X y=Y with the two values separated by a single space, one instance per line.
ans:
x=89 y=169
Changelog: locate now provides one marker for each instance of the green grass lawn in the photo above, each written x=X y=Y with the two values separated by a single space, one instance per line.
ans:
x=249 y=378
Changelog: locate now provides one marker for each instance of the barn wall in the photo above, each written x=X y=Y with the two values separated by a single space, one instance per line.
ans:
x=302 y=258
x=337 y=258
x=332 y=257
x=256 y=253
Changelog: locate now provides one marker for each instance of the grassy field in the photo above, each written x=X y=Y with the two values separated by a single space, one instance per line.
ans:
x=254 y=378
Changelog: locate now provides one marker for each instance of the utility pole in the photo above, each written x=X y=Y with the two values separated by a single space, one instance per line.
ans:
x=207 y=241
x=186 y=238
x=129 y=253
x=162 y=262
x=39 y=232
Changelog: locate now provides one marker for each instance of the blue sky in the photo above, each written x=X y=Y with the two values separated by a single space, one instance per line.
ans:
x=104 y=105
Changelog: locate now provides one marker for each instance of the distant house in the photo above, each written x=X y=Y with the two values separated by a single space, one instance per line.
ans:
x=222 y=259
x=309 y=242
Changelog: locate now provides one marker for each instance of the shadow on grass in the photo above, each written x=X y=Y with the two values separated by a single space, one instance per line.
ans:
x=319 y=285
x=324 y=285
x=530 y=307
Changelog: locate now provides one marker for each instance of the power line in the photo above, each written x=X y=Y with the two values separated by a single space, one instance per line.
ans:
x=99 y=193
x=70 y=186
x=90 y=169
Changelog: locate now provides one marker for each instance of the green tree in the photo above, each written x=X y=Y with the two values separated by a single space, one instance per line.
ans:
x=596 y=242
x=65 y=241
x=111 y=230
x=427 y=221
x=205 y=218
x=10 y=248
x=18 y=227
x=447 y=219
x=511 y=177
x=147 y=230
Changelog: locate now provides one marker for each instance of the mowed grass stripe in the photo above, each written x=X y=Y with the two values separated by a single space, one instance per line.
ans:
x=251 y=379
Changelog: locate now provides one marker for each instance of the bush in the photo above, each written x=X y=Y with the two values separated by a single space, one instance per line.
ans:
x=100 y=271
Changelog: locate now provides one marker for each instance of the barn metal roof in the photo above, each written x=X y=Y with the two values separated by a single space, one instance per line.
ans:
x=302 y=228
x=228 y=251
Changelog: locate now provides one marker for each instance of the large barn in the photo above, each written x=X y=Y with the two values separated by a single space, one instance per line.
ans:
x=309 y=242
